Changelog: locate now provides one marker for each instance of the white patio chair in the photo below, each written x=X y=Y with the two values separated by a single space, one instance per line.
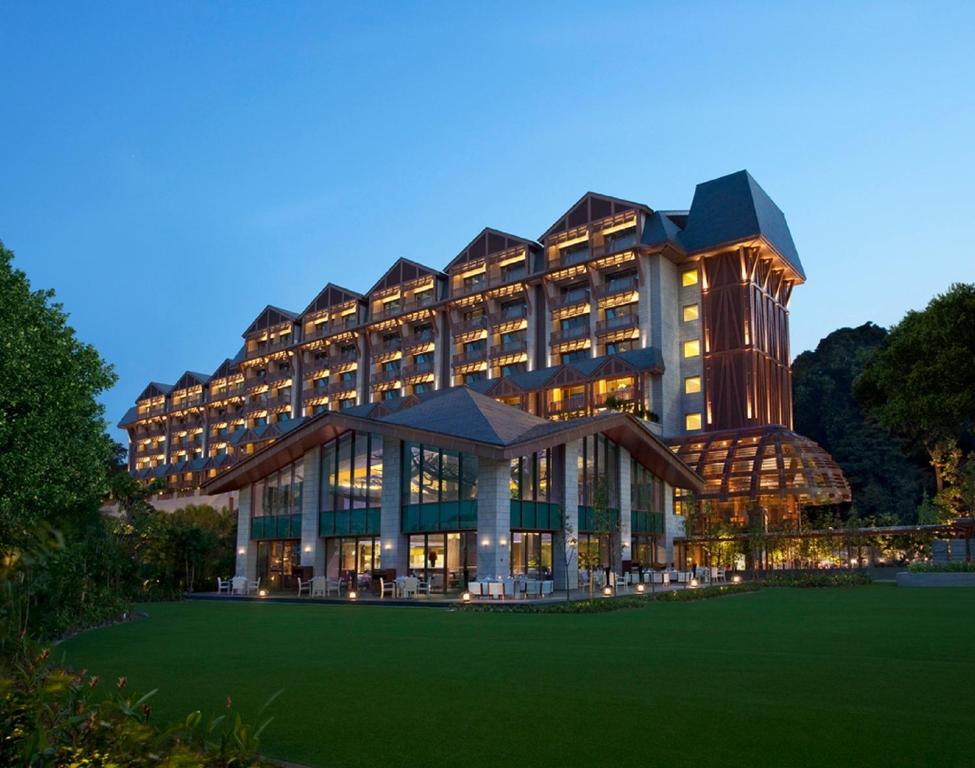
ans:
x=253 y=586
x=386 y=588
x=548 y=588
x=720 y=574
x=410 y=586
x=474 y=588
x=304 y=586
x=495 y=589
x=422 y=587
x=618 y=582
x=533 y=588
x=318 y=584
x=224 y=585
x=333 y=585
x=239 y=585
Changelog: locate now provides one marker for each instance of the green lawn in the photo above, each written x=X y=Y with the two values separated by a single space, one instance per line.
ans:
x=822 y=677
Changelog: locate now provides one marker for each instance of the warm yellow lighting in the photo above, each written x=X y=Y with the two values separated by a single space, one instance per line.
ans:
x=641 y=587
x=241 y=551
x=692 y=421
x=607 y=591
x=353 y=596
x=466 y=597
x=262 y=593
x=691 y=312
x=573 y=241
x=307 y=547
x=630 y=222
x=503 y=542
x=736 y=579
x=692 y=348
x=694 y=582
x=688 y=278
x=485 y=542
x=692 y=385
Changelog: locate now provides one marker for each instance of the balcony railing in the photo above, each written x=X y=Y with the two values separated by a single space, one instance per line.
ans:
x=187 y=402
x=475 y=284
x=572 y=333
x=418 y=340
x=390 y=346
x=470 y=356
x=471 y=325
x=614 y=287
x=315 y=365
x=339 y=386
x=618 y=323
x=509 y=314
x=267 y=347
x=276 y=401
x=509 y=348
x=424 y=299
x=419 y=369
x=233 y=390
x=624 y=395
x=385 y=375
x=569 y=257
x=567 y=404
x=571 y=299
x=156 y=410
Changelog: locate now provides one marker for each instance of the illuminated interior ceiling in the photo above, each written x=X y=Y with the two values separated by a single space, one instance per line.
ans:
x=763 y=462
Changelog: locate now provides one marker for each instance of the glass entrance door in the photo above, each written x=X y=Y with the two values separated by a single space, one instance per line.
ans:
x=447 y=561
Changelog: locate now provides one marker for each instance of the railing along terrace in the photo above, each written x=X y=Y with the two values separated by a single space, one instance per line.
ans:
x=567 y=404
x=571 y=298
x=618 y=323
x=509 y=348
x=470 y=356
x=572 y=333
x=613 y=287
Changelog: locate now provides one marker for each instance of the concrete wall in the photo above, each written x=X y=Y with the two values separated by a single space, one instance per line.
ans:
x=493 y=518
x=312 y=466
x=943 y=579
x=246 y=549
x=569 y=500
x=394 y=545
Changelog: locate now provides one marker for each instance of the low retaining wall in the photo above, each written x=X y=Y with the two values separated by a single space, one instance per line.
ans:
x=935 y=579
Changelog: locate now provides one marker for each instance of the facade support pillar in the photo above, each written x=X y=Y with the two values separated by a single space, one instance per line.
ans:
x=567 y=566
x=310 y=543
x=493 y=518
x=246 y=547
x=626 y=533
x=673 y=524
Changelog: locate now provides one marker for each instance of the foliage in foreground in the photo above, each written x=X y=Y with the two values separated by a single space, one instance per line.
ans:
x=51 y=716
x=817 y=579
x=953 y=567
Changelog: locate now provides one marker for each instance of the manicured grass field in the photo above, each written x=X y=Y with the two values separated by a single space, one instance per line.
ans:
x=821 y=677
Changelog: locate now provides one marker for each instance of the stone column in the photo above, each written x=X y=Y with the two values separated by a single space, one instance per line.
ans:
x=246 y=548
x=626 y=534
x=310 y=542
x=493 y=518
x=393 y=544
x=673 y=524
x=568 y=499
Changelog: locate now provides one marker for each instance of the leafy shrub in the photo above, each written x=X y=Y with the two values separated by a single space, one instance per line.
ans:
x=817 y=579
x=952 y=567
x=704 y=593
x=51 y=716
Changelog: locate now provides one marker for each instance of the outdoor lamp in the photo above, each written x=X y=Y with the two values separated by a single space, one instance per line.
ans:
x=262 y=593
x=466 y=597
x=641 y=587
x=736 y=579
x=353 y=596
x=694 y=582
x=241 y=551
x=607 y=591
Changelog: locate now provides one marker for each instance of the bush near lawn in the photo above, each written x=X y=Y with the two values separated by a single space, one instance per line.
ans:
x=941 y=567
x=818 y=579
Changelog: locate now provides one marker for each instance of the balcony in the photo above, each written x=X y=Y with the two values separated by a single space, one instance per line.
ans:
x=413 y=341
x=505 y=275
x=232 y=390
x=618 y=323
x=624 y=395
x=342 y=361
x=473 y=284
x=417 y=370
x=418 y=302
x=569 y=404
x=509 y=315
x=616 y=287
x=187 y=402
x=572 y=333
x=571 y=256
x=155 y=410
x=277 y=401
x=571 y=298
x=340 y=386
x=470 y=326
x=470 y=356
x=386 y=375
x=313 y=392
x=315 y=365
x=255 y=383
x=508 y=348
x=262 y=348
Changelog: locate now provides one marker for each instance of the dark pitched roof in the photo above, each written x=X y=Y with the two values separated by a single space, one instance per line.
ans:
x=402 y=271
x=462 y=412
x=155 y=389
x=131 y=416
x=269 y=317
x=734 y=208
x=660 y=229
x=330 y=296
x=591 y=207
x=490 y=241
x=226 y=368
x=191 y=379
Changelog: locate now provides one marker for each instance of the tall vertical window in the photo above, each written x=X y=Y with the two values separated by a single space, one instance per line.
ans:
x=599 y=471
x=529 y=477
x=352 y=471
x=280 y=493
x=432 y=475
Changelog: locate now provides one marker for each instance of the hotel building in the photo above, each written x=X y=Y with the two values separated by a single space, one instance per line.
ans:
x=449 y=420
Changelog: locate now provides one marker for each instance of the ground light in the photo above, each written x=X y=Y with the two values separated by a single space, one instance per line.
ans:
x=641 y=588
x=466 y=597
x=736 y=579
x=262 y=593
x=353 y=596
x=607 y=591
x=694 y=582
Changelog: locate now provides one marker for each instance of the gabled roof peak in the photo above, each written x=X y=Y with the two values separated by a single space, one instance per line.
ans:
x=487 y=242
x=592 y=206
x=269 y=317
x=331 y=295
x=403 y=271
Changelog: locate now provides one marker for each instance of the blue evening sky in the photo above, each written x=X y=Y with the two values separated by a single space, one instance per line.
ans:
x=170 y=168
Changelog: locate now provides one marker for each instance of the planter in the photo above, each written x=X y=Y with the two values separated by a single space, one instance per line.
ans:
x=935 y=579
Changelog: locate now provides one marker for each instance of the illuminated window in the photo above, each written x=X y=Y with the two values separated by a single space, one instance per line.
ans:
x=691 y=312
x=692 y=385
x=692 y=348
x=688 y=278
x=692 y=421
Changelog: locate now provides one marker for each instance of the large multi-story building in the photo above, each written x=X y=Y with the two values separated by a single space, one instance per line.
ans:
x=679 y=317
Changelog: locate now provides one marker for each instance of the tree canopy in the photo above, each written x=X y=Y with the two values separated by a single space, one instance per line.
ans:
x=54 y=452
x=920 y=383
x=883 y=480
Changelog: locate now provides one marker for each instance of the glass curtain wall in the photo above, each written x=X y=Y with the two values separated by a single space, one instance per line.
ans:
x=276 y=524
x=599 y=493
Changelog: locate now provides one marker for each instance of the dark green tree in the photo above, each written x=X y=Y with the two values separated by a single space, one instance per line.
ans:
x=884 y=481
x=920 y=383
x=54 y=452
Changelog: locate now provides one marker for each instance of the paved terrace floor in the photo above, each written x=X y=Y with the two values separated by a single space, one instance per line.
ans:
x=448 y=600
